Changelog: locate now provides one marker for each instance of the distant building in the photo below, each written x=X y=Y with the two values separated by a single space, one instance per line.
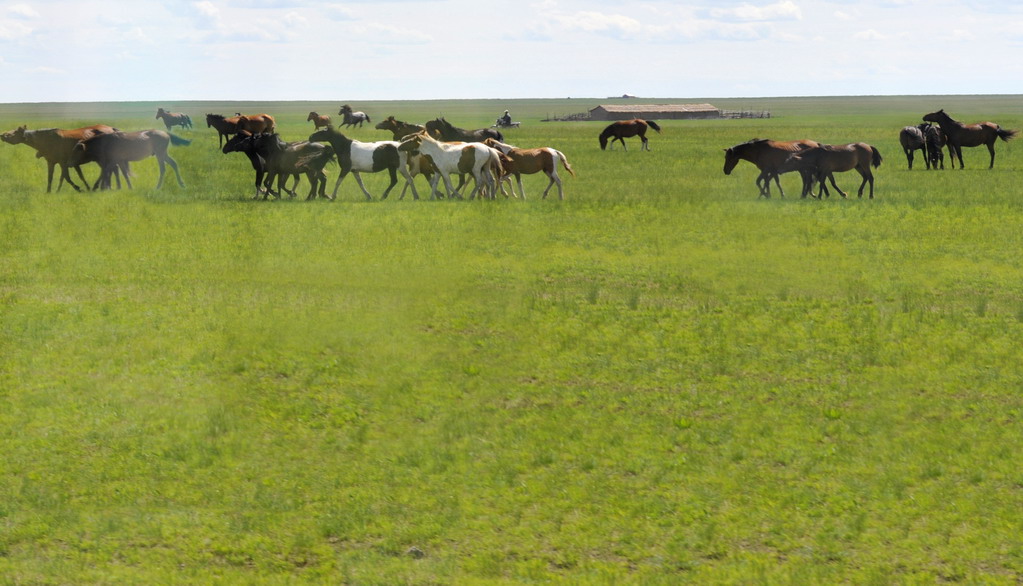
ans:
x=654 y=112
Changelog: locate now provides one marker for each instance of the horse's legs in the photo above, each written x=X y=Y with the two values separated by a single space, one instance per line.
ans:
x=408 y=183
x=394 y=181
x=174 y=165
x=646 y=143
x=340 y=178
x=991 y=149
x=358 y=178
x=831 y=176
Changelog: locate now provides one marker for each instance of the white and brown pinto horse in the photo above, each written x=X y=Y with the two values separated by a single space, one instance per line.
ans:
x=528 y=161
x=357 y=157
x=351 y=118
x=961 y=135
x=471 y=157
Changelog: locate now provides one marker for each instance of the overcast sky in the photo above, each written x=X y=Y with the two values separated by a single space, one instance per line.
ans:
x=57 y=50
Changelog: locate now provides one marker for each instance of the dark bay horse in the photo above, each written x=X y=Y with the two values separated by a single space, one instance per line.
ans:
x=399 y=128
x=935 y=140
x=768 y=156
x=961 y=135
x=820 y=162
x=624 y=129
x=115 y=150
x=441 y=129
x=174 y=119
x=270 y=155
x=226 y=127
x=56 y=146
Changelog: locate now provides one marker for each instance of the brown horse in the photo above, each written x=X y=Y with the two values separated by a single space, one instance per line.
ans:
x=961 y=135
x=441 y=129
x=226 y=127
x=318 y=120
x=624 y=129
x=56 y=145
x=398 y=128
x=820 y=162
x=174 y=119
x=114 y=151
x=256 y=123
x=528 y=161
x=912 y=138
x=768 y=156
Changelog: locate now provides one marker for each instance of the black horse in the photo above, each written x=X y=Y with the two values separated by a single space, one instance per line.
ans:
x=441 y=129
x=276 y=159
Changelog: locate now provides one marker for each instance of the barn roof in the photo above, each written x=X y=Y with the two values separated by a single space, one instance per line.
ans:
x=679 y=108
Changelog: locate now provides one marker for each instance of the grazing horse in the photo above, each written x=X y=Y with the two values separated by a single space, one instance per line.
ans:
x=398 y=128
x=226 y=127
x=528 y=161
x=961 y=135
x=624 y=129
x=471 y=157
x=820 y=162
x=318 y=120
x=935 y=140
x=279 y=160
x=56 y=145
x=357 y=157
x=768 y=156
x=115 y=150
x=441 y=129
x=912 y=138
x=174 y=119
x=352 y=118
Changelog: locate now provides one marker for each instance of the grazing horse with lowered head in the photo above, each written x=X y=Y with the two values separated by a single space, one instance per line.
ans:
x=171 y=119
x=935 y=140
x=357 y=157
x=399 y=128
x=441 y=129
x=318 y=120
x=768 y=156
x=527 y=161
x=115 y=150
x=448 y=158
x=55 y=146
x=820 y=162
x=623 y=129
x=912 y=139
x=352 y=118
x=961 y=135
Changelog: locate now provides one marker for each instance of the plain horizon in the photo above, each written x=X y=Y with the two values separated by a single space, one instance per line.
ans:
x=58 y=51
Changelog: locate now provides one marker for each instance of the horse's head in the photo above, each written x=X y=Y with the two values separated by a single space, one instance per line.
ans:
x=16 y=136
x=211 y=118
x=731 y=160
x=388 y=123
x=241 y=142
x=936 y=116
x=344 y=108
x=311 y=116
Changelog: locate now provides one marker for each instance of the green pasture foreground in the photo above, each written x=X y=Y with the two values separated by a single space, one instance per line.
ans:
x=662 y=379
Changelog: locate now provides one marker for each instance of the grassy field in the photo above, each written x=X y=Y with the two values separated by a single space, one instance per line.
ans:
x=661 y=379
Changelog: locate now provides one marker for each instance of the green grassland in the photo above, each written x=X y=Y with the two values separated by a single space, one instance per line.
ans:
x=661 y=379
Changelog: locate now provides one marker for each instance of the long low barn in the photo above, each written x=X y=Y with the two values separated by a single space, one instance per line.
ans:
x=654 y=112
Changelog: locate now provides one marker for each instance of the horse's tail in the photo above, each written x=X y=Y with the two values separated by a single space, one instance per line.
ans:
x=564 y=161
x=876 y=157
x=316 y=161
x=178 y=141
x=1006 y=134
x=653 y=125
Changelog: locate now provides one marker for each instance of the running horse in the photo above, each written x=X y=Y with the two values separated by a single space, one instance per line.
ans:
x=961 y=135
x=441 y=129
x=768 y=156
x=352 y=118
x=398 y=128
x=171 y=119
x=624 y=129
x=318 y=120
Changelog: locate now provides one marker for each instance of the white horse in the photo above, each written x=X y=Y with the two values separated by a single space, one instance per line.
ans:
x=528 y=161
x=357 y=157
x=469 y=157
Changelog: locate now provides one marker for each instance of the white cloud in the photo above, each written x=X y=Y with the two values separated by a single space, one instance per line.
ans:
x=12 y=30
x=22 y=11
x=785 y=10
x=869 y=35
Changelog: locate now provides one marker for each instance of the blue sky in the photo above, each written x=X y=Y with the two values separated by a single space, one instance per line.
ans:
x=57 y=50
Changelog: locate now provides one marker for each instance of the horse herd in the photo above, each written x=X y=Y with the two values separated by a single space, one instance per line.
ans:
x=438 y=150
x=817 y=162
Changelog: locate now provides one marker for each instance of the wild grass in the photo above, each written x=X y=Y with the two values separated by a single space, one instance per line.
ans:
x=661 y=379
